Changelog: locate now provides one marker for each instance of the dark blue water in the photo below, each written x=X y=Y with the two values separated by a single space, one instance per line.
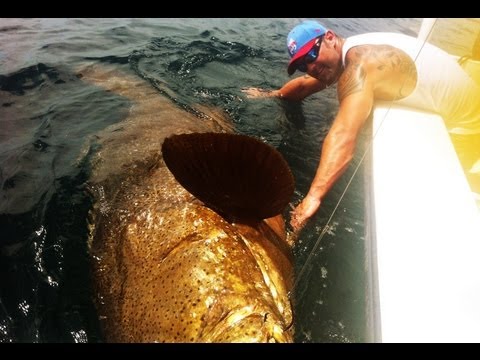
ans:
x=47 y=114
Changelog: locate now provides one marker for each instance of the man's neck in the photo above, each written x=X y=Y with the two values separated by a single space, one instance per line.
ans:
x=339 y=41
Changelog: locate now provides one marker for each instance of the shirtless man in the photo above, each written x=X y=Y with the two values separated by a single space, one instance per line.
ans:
x=366 y=68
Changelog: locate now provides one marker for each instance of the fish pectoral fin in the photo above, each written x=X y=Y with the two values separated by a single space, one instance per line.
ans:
x=239 y=176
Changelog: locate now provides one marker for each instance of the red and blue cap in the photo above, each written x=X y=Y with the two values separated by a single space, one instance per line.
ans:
x=301 y=39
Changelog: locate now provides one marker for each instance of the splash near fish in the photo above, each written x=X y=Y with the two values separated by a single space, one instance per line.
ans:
x=211 y=264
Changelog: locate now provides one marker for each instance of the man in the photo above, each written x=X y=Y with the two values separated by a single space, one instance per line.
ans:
x=369 y=67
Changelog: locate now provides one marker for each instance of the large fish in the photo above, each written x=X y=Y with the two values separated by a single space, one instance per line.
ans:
x=211 y=264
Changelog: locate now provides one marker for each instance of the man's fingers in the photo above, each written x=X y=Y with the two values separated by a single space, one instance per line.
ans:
x=295 y=222
x=253 y=92
x=249 y=92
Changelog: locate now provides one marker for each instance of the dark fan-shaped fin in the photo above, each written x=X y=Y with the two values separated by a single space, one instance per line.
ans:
x=237 y=175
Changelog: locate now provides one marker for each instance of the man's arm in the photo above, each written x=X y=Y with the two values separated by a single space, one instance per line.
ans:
x=295 y=90
x=356 y=95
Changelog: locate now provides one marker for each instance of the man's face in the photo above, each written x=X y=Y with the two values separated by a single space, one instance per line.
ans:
x=310 y=57
x=326 y=64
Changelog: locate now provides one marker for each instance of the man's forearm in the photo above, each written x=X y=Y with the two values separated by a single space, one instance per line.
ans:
x=299 y=88
x=337 y=152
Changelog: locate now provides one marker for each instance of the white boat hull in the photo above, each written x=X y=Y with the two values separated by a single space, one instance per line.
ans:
x=423 y=251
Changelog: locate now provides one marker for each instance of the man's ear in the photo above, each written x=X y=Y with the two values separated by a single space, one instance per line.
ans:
x=329 y=35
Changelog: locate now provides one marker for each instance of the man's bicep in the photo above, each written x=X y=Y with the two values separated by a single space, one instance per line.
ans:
x=351 y=81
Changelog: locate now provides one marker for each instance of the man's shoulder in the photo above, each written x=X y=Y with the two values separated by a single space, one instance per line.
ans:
x=379 y=35
x=364 y=45
x=377 y=38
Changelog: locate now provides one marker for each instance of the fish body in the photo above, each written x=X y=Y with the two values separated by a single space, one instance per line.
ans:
x=167 y=265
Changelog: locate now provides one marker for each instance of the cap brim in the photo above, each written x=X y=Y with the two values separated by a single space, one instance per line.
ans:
x=300 y=53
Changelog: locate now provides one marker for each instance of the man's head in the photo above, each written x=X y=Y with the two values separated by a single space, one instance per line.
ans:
x=303 y=43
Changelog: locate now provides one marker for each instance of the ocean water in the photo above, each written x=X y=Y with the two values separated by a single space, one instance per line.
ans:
x=47 y=114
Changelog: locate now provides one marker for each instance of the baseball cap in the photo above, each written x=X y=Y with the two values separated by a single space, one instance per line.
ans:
x=301 y=39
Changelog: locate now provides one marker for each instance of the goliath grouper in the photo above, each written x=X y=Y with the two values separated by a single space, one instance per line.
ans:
x=211 y=264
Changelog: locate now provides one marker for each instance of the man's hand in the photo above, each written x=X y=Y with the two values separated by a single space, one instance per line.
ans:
x=303 y=212
x=253 y=92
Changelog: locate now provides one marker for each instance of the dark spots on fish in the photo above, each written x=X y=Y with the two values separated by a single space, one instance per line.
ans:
x=172 y=280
